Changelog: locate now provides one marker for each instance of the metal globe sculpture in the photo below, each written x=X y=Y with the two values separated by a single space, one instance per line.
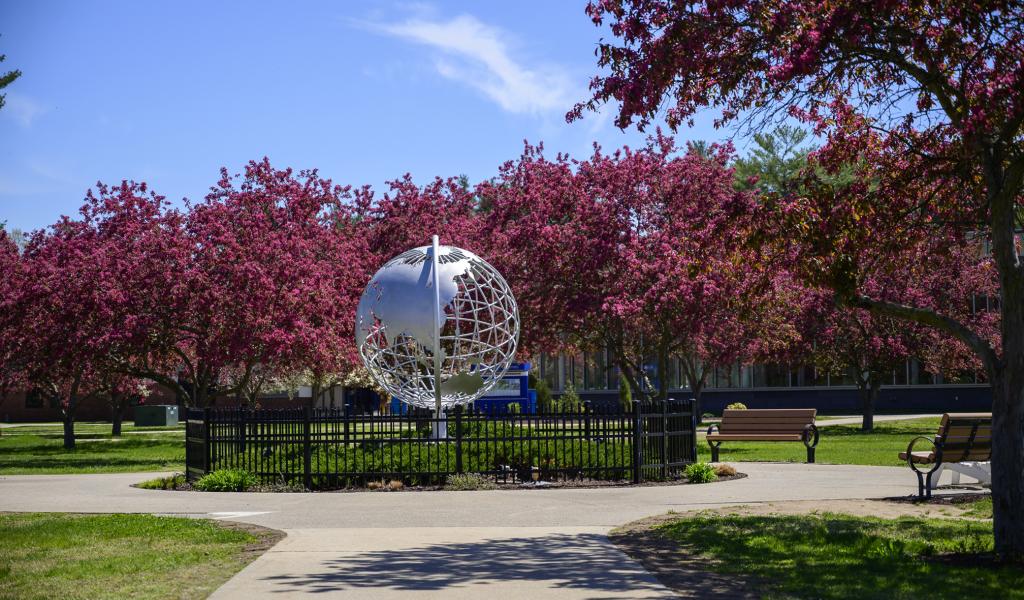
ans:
x=437 y=326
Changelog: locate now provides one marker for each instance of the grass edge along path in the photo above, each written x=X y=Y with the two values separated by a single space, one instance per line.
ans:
x=63 y=555
x=820 y=555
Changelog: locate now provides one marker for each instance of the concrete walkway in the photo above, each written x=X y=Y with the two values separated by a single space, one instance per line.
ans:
x=494 y=544
x=857 y=419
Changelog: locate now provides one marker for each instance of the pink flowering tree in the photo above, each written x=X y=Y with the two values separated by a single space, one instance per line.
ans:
x=71 y=318
x=408 y=215
x=12 y=267
x=919 y=94
x=271 y=267
x=641 y=252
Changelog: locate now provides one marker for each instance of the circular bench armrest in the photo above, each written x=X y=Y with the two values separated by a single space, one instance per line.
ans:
x=811 y=435
x=910 y=454
x=712 y=429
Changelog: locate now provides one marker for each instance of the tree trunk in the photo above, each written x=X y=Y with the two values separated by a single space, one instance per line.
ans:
x=1008 y=457
x=697 y=391
x=115 y=421
x=69 y=430
x=868 y=397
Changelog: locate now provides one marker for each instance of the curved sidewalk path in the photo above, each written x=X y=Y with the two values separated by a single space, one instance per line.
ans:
x=489 y=544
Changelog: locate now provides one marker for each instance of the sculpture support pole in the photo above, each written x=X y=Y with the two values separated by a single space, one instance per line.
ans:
x=442 y=429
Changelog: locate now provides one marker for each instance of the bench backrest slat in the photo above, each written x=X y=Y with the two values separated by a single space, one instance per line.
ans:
x=965 y=437
x=768 y=420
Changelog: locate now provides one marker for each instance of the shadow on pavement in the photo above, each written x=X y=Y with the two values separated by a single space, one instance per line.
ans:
x=581 y=562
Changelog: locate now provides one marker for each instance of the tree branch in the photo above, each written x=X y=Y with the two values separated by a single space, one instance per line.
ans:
x=979 y=345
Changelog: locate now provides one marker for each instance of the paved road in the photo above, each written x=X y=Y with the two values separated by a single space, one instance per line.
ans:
x=499 y=544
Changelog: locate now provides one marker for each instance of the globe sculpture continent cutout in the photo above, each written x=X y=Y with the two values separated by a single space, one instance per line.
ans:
x=437 y=326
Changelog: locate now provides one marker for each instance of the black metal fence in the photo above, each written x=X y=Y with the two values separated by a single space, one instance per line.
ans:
x=328 y=448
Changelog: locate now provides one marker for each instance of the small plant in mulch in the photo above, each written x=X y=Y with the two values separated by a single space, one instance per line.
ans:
x=469 y=481
x=174 y=482
x=701 y=472
x=388 y=486
x=277 y=487
x=725 y=470
x=226 y=480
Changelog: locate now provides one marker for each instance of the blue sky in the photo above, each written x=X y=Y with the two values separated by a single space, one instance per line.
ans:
x=168 y=93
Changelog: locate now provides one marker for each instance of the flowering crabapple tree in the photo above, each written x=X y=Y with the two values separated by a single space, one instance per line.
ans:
x=409 y=214
x=930 y=92
x=70 y=319
x=11 y=265
x=270 y=268
x=641 y=252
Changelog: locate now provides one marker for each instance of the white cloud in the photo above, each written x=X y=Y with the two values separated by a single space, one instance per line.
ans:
x=22 y=108
x=478 y=55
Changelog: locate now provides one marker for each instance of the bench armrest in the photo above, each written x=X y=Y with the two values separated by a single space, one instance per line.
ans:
x=811 y=435
x=712 y=429
x=910 y=454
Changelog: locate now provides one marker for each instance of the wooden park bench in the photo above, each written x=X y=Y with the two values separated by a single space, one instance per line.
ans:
x=765 y=425
x=963 y=445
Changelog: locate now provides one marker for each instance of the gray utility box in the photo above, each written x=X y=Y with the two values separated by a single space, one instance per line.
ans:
x=155 y=415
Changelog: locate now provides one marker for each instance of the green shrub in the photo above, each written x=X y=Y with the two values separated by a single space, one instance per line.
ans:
x=226 y=480
x=570 y=401
x=736 y=406
x=469 y=481
x=701 y=472
x=163 y=483
x=498 y=445
x=545 y=401
x=513 y=408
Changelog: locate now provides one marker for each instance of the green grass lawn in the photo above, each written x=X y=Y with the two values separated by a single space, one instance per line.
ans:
x=839 y=556
x=839 y=444
x=89 y=429
x=118 y=556
x=28 y=454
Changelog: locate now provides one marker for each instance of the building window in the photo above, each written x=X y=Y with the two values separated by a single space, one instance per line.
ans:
x=918 y=374
x=770 y=375
x=728 y=377
x=596 y=371
x=549 y=370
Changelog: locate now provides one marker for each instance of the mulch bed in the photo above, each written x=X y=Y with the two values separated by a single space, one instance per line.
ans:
x=942 y=499
x=548 y=485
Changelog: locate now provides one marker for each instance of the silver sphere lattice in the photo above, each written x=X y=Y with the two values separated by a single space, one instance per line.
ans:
x=437 y=326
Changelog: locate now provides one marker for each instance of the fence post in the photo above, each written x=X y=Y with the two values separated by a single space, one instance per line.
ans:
x=638 y=435
x=307 y=450
x=586 y=420
x=458 y=440
x=664 y=438
x=345 y=420
x=241 y=429
x=693 y=430
x=207 y=445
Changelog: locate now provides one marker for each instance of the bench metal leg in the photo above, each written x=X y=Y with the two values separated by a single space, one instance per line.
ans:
x=810 y=454
x=714 y=453
x=934 y=478
x=924 y=484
